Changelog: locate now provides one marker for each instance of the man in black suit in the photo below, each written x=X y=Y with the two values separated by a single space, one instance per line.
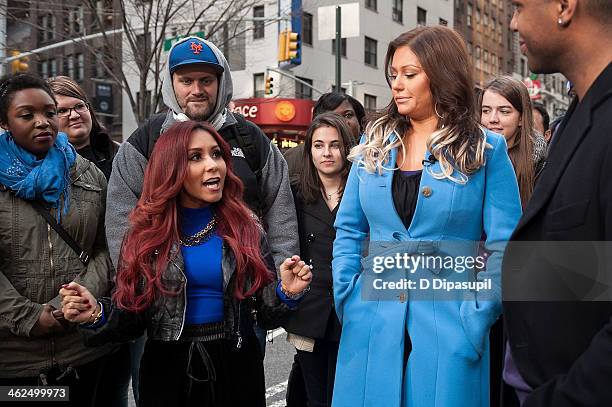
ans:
x=559 y=349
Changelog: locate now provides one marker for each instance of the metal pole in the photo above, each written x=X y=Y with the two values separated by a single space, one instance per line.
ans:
x=4 y=68
x=338 y=49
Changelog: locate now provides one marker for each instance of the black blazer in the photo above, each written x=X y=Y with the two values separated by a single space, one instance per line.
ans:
x=315 y=316
x=562 y=347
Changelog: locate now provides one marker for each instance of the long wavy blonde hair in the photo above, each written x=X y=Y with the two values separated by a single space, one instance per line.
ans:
x=459 y=142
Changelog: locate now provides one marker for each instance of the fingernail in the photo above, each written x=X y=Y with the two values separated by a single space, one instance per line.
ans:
x=64 y=285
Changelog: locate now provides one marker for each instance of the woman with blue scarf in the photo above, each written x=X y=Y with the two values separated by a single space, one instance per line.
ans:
x=40 y=172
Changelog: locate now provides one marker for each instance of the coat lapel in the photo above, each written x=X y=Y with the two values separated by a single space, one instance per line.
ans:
x=562 y=149
x=321 y=211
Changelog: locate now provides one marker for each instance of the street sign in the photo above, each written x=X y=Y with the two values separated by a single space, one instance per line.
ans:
x=349 y=23
x=169 y=41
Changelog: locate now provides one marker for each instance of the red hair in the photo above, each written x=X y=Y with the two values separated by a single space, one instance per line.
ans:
x=154 y=223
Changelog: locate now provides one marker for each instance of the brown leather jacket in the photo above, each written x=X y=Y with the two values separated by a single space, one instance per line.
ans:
x=35 y=262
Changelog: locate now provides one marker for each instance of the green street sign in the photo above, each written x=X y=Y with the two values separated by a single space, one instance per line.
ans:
x=168 y=42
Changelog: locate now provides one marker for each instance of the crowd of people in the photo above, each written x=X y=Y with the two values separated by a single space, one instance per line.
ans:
x=165 y=259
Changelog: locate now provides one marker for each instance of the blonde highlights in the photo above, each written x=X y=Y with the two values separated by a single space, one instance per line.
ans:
x=459 y=143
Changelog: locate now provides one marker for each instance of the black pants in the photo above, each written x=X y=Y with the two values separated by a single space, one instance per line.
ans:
x=178 y=374
x=319 y=371
x=82 y=391
x=113 y=390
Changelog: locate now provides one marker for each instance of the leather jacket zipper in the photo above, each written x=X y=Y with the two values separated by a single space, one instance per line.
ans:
x=185 y=300
x=237 y=328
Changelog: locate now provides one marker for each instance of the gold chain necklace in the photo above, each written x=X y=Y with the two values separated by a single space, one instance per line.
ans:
x=328 y=196
x=201 y=236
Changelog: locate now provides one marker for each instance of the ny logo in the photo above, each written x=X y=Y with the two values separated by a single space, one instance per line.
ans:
x=196 y=48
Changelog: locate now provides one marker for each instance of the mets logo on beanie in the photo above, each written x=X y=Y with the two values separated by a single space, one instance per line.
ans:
x=193 y=51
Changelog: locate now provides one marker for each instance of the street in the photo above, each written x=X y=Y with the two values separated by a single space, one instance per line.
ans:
x=279 y=357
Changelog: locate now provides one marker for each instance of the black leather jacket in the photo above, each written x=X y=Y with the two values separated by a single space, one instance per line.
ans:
x=164 y=320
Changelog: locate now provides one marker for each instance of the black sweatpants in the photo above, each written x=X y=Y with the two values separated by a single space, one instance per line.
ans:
x=180 y=374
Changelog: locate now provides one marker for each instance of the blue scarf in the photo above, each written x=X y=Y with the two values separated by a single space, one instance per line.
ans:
x=33 y=179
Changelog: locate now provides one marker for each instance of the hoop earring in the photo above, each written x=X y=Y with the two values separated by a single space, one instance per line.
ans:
x=438 y=114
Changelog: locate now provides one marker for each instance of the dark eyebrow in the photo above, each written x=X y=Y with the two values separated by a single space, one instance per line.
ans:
x=32 y=106
x=499 y=107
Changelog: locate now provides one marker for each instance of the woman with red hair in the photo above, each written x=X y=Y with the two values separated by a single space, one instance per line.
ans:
x=196 y=273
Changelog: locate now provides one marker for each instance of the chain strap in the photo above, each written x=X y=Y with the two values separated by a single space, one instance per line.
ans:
x=201 y=236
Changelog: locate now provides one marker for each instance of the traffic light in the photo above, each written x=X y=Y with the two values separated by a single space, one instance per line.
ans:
x=20 y=64
x=282 y=46
x=289 y=46
x=293 y=45
x=269 y=85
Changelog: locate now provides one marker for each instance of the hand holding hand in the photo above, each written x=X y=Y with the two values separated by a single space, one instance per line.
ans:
x=295 y=275
x=78 y=304
x=46 y=325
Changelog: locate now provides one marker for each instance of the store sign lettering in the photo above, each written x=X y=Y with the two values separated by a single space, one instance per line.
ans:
x=247 y=111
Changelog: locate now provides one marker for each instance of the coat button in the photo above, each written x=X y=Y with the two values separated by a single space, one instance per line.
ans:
x=311 y=238
x=426 y=192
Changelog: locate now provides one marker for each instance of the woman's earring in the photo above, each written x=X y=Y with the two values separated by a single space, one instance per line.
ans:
x=438 y=114
x=560 y=22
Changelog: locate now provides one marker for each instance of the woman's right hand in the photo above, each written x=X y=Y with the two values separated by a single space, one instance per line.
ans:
x=78 y=304
x=47 y=324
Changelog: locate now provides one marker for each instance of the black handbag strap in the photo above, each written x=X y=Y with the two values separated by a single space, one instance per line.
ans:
x=83 y=255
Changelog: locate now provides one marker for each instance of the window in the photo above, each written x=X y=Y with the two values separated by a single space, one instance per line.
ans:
x=342 y=47
x=259 y=85
x=470 y=48
x=80 y=67
x=370 y=51
x=69 y=66
x=443 y=22
x=371 y=4
x=397 y=11
x=303 y=91
x=500 y=64
x=477 y=56
x=103 y=60
x=369 y=102
x=258 y=25
x=48 y=68
x=47 y=27
x=421 y=16
x=76 y=20
x=469 y=15
x=477 y=16
x=307 y=29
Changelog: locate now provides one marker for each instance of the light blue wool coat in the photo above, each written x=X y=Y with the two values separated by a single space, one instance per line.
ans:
x=449 y=362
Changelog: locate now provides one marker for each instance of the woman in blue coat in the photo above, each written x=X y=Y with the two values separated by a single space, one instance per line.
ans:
x=427 y=180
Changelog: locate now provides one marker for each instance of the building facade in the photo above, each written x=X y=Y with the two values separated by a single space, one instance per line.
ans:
x=485 y=26
x=32 y=25
x=256 y=49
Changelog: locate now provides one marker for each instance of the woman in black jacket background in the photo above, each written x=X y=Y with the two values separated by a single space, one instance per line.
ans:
x=314 y=328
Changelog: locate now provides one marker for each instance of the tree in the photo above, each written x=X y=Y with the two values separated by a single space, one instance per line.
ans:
x=148 y=25
x=132 y=34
